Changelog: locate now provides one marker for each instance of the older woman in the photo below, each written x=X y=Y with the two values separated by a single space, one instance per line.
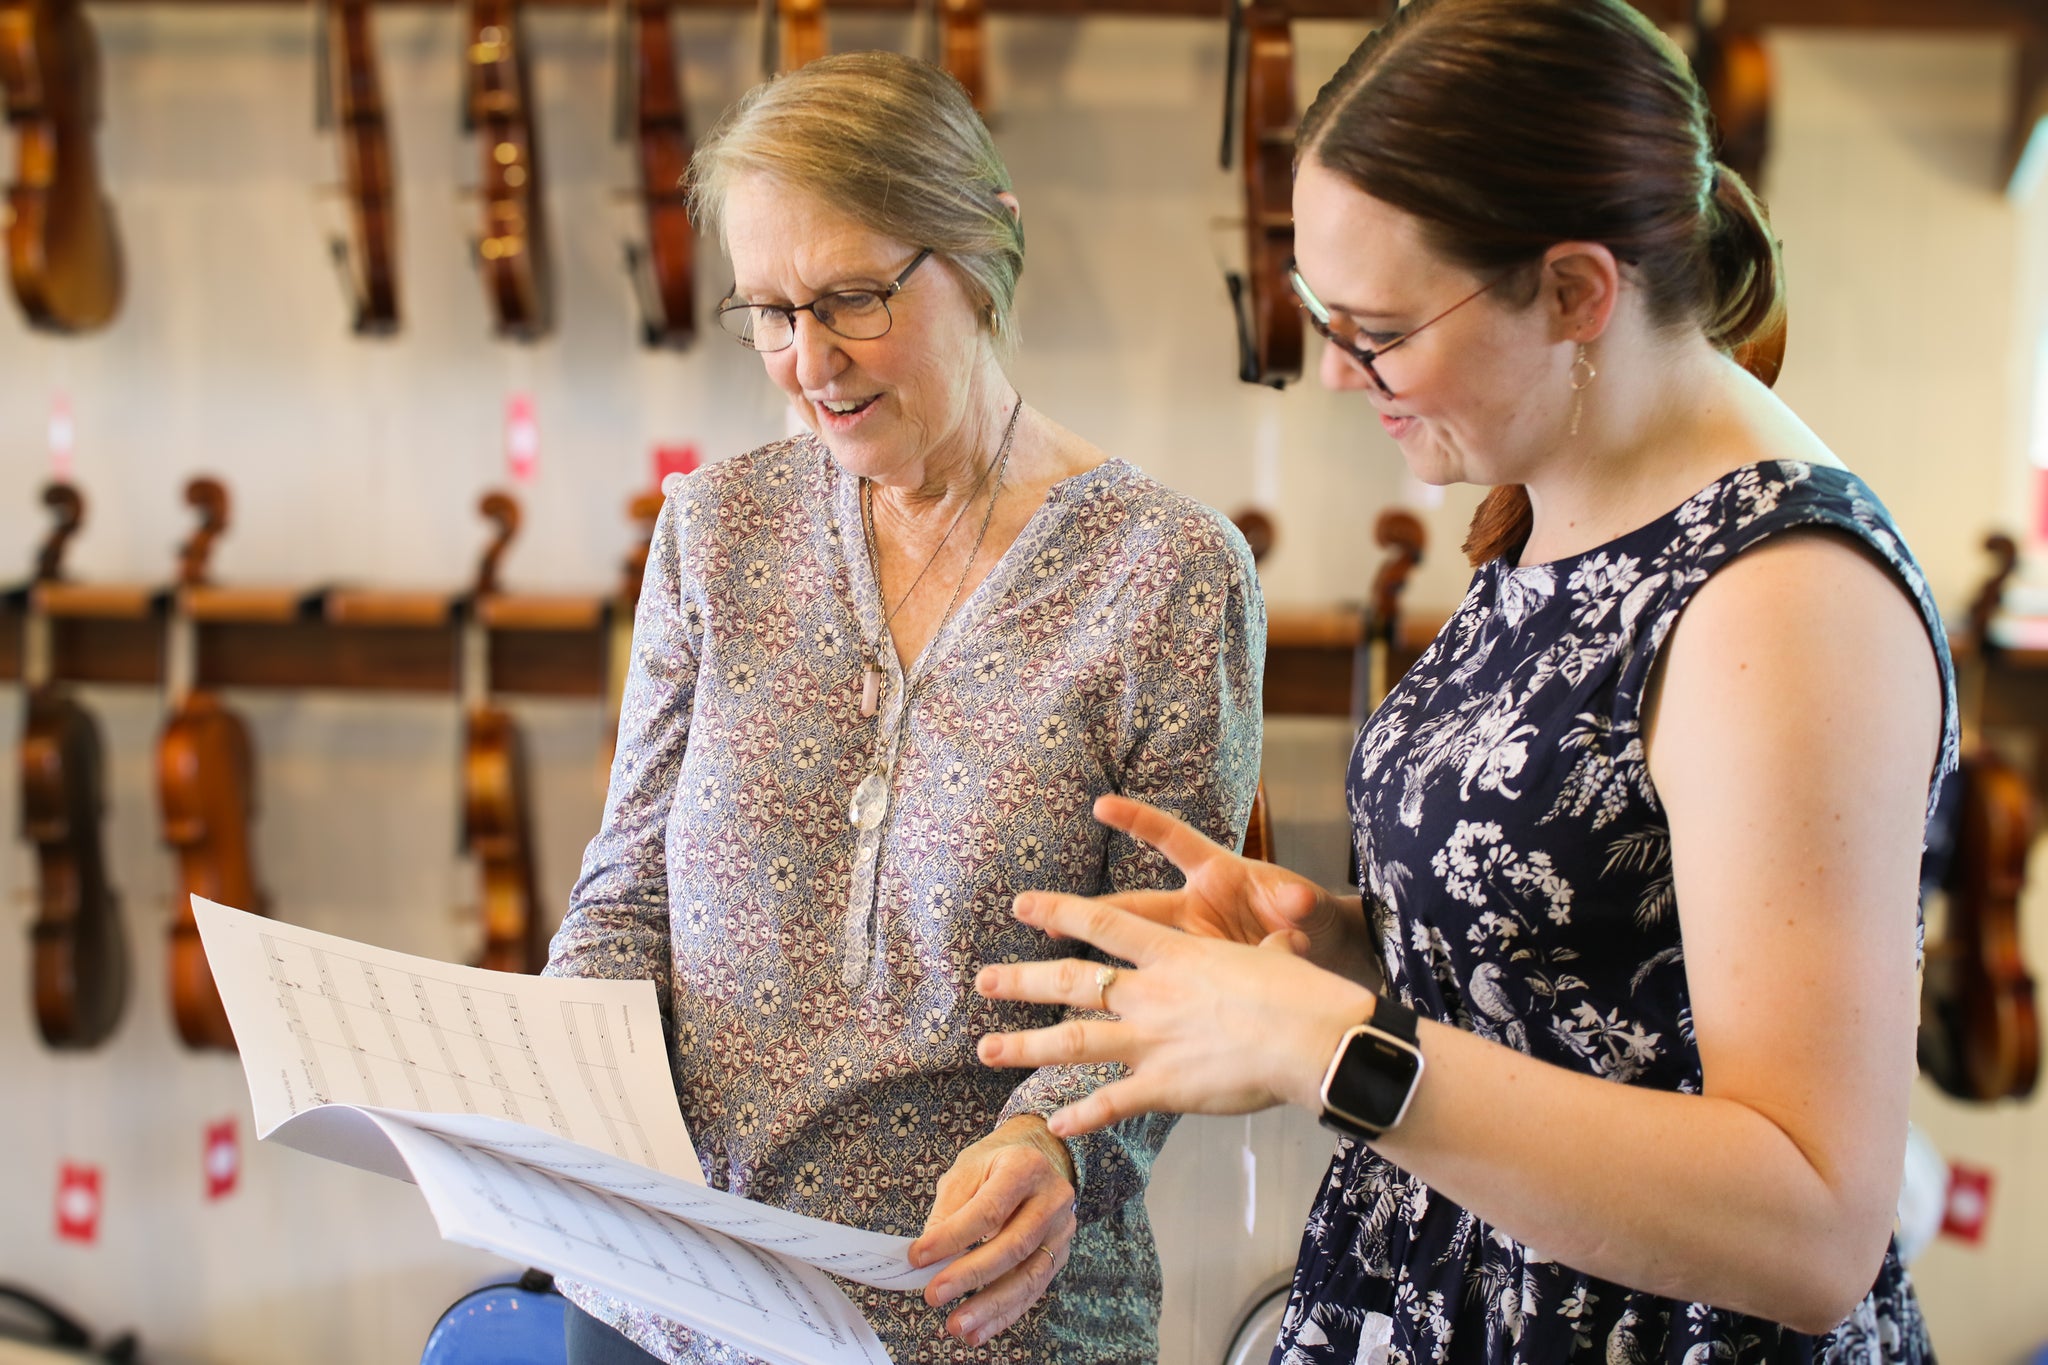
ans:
x=880 y=673
x=1622 y=1041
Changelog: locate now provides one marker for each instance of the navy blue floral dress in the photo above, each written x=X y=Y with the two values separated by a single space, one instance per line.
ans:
x=1517 y=871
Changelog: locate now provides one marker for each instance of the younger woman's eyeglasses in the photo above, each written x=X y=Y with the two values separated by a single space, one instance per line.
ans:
x=1344 y=333
x=856 y=314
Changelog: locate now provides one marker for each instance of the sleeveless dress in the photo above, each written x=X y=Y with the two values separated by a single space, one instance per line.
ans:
x=1517 y=872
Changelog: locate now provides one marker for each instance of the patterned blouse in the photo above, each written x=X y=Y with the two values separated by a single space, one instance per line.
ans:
x=1518 y=870
x=817 y=977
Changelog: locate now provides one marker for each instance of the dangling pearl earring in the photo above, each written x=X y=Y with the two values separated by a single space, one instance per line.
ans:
x=1582 y=376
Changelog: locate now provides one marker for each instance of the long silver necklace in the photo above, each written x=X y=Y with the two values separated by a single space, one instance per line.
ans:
x=871 y=797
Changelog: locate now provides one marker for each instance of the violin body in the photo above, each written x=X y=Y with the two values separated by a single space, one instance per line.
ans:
x=513 y=253
x=206 y=784
x=496 y=833
x=662 y=149
x=1980 y=1032
x=802 y=38
x=1734 y=70
x=1269 y=323
x=80 y=954
x=366 y=168
x=63 y=255
x=962 y=47
x=1401 y=534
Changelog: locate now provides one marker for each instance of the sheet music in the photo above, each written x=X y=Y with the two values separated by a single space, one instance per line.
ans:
x=872 y=1258
x=322 y=1020
x=779 y=1310
x=539 y=1119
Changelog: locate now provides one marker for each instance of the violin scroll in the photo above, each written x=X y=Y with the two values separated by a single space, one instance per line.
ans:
x=67 y=506
x=209 y=497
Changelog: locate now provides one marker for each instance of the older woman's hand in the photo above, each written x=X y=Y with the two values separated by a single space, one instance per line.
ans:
x=1240 y=899
x=1006 y=1208
x=1205 y=1026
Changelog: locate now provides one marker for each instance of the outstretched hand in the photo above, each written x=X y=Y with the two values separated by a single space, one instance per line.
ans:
x=1204 y=1026
x=1238 y=899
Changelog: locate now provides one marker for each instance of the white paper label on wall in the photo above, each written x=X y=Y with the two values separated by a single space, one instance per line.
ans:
x=63 y=436
x=522 y=438
x=1251 y=1181
x=1266 y=459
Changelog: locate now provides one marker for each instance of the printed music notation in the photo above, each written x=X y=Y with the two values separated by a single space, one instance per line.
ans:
x=419 y=1042
x=770 y=1307
x=538 y=1117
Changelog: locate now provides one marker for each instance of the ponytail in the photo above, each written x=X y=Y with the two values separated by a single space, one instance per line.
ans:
x=1746 y=274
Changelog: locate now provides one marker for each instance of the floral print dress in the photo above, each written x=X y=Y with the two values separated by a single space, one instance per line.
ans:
x=1517 y=871
x=817 y=979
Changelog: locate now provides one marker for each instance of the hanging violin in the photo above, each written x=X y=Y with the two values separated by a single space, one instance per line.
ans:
x=352 y=102
x=79 y=953
x=1400 y=533
x=206 y=785
x=1269 y=325
x=959 y=43
x=512 y=254
x=1980 y=1030
x=63 y=255
x=792 y=34
x=1734 y=72
x=1260 y=535
x=496 y=828
x=651 y=115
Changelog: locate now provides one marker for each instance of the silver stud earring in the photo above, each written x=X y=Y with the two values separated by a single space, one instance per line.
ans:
x=1582 y=376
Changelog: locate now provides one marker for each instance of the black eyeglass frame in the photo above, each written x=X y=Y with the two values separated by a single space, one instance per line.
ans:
x=1327 y=325
x=731 y=308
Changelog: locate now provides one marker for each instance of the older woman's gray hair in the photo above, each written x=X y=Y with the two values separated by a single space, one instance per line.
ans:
x=889 y=141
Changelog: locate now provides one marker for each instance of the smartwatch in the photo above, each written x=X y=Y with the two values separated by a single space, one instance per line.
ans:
x=1373 y=1075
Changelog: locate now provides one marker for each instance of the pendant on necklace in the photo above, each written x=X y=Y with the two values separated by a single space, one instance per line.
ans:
x=870 y=800
x=870 y=688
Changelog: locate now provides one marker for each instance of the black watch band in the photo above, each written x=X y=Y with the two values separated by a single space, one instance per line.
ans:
x=1374 y=1072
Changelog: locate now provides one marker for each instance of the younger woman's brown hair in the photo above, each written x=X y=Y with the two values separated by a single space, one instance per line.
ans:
x=1507 y=126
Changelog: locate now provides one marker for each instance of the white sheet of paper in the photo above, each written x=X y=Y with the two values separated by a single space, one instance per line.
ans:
x=324 y=1020
x=779 y=1310
x=538 y=1117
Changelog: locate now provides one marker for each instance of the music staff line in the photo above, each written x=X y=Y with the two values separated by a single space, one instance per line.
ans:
x=362 y=1024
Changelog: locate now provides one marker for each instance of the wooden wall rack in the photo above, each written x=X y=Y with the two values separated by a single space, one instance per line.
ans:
x=541 y=645
x=348 y=640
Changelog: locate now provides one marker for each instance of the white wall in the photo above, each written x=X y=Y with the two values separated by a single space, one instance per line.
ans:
x=362 y=461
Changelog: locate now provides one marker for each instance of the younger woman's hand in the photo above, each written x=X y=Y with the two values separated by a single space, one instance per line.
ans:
x=1205 y=1026
x=1239 y=899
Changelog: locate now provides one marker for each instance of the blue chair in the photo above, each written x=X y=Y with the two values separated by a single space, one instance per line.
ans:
x=501 y=1324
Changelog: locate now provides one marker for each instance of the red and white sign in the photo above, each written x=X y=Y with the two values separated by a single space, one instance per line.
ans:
x=78 y=1203
x=63 y=437
x=223 y=1159
x=522 y=438
x=1969 y=1203
x=675 y=459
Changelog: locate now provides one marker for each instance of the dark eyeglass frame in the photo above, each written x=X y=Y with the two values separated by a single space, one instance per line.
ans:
x=1340 y=332
x=742 y=313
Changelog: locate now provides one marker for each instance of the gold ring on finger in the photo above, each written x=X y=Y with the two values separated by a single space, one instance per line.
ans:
x=1051 y=1260
x=1105 y=976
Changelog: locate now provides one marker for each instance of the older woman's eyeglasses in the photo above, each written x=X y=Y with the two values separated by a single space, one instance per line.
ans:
x=1343 y=332
x=856 y=314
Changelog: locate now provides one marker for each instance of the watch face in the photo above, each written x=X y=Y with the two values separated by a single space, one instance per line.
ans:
x=1373 y=1078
